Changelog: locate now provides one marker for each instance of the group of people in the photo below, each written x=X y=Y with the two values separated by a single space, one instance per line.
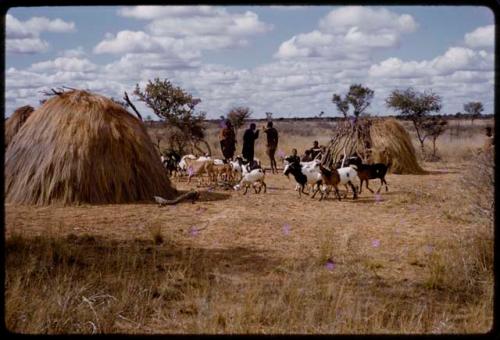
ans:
x=228 y=142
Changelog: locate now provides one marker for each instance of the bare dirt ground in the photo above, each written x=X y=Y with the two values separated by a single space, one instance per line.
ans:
x=397 y=230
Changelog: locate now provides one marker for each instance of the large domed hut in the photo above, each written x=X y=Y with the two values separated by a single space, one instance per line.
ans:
x=80 y=147
x=377 y=141
x=392 y=143
x=15 y=121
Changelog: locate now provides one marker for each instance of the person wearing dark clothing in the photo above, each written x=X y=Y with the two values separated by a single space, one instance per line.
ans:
x=227 y=141
x=307 y=156
x=315 y=150
x=294 y=158
x=249 y=138
x=272 y=144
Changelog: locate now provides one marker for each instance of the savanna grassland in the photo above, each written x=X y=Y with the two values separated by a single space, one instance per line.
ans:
x=417 y=259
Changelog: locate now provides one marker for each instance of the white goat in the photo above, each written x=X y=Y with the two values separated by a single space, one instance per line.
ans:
x=183 y=164
x=256 y=176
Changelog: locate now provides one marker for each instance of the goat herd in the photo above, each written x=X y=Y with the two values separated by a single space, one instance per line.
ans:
x=246 y=174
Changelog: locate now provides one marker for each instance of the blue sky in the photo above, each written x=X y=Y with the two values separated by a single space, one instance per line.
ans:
x=286 y=60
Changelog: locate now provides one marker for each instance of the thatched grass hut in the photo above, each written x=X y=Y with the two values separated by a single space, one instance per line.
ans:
x=80 y=147
x=391 y=141
x=15 y=121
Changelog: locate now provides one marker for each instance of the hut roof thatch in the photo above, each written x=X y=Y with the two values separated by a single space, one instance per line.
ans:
x=15 y=121
x=391 y=140
x=80 y=147
x=377 y=140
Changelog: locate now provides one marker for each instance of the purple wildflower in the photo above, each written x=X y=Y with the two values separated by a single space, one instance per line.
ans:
x=286 y=229
x=376 y=243
x=193 y=231
x=330 y=265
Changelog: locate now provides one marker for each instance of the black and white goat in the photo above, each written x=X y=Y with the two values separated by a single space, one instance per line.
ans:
x=170 y=161
x=304 y=174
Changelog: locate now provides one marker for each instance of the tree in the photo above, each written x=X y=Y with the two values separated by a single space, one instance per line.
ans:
x=177 y=108
x=474 y=109
x=358 y=97
x=237 y=115
x=434 y=127
x=415 y=106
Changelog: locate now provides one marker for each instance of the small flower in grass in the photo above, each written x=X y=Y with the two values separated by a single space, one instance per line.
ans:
x=429 y=248
x=330 y=265
x=376 y=243
x=286 y=229
x=193 y=231
x=378 y=197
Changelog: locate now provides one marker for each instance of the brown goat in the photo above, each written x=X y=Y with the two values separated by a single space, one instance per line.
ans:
x=223 y=171
x=330 y=178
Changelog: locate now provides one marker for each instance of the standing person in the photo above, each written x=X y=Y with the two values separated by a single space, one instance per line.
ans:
x=248 y=142
x=272 y=144
x=228 y=141
x=315 y=150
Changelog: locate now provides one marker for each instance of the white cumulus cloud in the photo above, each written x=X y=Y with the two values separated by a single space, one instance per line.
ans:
x=24 y=36
x=481 y=37
x=349 y=32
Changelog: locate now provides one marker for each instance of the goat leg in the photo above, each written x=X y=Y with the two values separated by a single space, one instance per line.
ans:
x=305 y=193
x=337 y=193
x=353 y=190
x=367 y=187
x=265 y=186
x=315 y=192
x=386 y=187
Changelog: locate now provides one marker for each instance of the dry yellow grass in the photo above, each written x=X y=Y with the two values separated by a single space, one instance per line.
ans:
x=418 y=260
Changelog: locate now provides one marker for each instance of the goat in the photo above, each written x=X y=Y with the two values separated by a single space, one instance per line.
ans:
x=198 y=168
x=183 y=164
x=343 y=176
x=170 y=162
x=369 y=171
x=224 y=171
x=310 y=164
x=304 y=174
x=247 y=165
x=252 y=177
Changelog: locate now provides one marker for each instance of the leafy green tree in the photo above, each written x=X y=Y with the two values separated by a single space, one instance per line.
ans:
x=415 y=106
x=176 y=107
x=358 y=98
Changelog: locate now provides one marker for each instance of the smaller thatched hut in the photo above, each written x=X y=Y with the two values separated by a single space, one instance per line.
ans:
x=15 y=121
x=392 y=143
x=80 y=147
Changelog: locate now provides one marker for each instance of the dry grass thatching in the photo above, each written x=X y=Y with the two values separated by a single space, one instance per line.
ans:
x=391 y=136
x=80 y=147
x=15 y=121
